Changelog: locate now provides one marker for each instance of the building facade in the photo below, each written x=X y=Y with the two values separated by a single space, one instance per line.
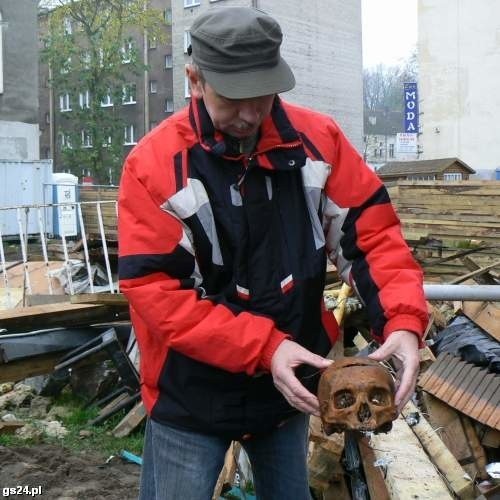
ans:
x=321 y=43
x=18 y=81
x=380 y=137
x=459 y=78
x=148 y=101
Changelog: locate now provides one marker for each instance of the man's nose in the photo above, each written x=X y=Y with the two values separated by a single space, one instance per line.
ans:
x=250 y=112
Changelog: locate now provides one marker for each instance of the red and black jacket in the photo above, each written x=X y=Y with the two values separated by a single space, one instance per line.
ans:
x=223 y=255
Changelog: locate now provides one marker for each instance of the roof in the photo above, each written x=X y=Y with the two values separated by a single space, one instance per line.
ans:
x=381 y=122
x=421 y=166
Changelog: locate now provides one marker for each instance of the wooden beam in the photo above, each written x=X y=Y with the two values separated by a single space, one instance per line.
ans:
x=373 y=475
x=112 y=299
x=440 y=455
x=19 y=370
x=409 y=473
x=130 y=421
x=477 y=272
x=25 y=319
x=446 y=420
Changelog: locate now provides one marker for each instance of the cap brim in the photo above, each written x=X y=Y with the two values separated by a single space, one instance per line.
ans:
x=248 y=84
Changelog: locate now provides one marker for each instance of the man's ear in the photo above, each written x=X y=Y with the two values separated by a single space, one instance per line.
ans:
x=195 y=83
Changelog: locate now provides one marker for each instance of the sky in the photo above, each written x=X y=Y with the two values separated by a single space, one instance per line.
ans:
x=389 y=31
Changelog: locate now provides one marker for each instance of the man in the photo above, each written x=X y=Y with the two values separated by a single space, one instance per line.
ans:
x=227 y=213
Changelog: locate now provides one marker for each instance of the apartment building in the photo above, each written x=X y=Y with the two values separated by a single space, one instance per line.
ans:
x=147 y=97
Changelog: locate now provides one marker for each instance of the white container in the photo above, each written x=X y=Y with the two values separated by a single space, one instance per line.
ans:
x=64 y=190
x=22 y=183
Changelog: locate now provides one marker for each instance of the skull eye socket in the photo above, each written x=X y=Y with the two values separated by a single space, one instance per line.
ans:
x=379 y=397
x=343 y=399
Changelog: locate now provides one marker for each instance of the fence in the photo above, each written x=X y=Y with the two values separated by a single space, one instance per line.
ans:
x=25 y=251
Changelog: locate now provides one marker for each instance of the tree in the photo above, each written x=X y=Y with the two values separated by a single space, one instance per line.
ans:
x=92 y=56
x=383 y=85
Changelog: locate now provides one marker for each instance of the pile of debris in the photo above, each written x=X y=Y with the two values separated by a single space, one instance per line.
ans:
x=446 y=442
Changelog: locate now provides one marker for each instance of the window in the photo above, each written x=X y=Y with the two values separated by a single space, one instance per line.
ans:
x=153 y=86
x=68 y=29
x=169 y=106
x=66 y=66
x=129 y=93
x=167 y=15
x=187 y=40
x=64 y=103
x=47 y=118
x=187 y=90
x=168 y=61
x=86 y=58
x=191 y=3
x=106 y=141
x=107 y=100
x=127 y=51
x=86 y=139
x=1 y=57
x=84 y=99
x=454 y=176
x=391 y=150
x=129 y=135
x=64 y=141
x=152 y=42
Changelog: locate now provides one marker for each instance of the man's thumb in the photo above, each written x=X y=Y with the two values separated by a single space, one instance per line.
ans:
x=381 y=354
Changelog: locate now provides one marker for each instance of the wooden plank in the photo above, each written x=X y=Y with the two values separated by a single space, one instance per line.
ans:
x=477 y=272
x=409 y=473
x=373 y=475
x=19 y=370
x=475 y=445
x=51 y=315
x=130 y=421
x=115 y=299
x=441 y=455
x=488 y=318
x=448 y=425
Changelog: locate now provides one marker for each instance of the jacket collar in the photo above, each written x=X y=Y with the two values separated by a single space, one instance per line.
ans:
x=276 y=132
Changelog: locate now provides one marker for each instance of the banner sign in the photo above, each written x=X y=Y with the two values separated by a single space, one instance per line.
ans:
x=411 y=107
x=406 y=143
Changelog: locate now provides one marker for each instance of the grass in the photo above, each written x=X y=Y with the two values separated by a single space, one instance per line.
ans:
x=101 y=440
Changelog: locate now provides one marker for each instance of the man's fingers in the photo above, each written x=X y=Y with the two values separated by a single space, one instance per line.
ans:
x=297 y=395
x=407 y=384
x=382 y=353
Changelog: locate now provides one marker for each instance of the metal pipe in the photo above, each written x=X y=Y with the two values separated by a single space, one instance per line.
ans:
x=462 y=292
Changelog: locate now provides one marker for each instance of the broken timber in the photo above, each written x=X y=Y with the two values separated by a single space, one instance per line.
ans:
x=52 y=315
x=409 y=473
x=441 y=456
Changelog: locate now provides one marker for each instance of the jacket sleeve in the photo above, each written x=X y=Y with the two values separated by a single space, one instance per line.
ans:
x=157 y=271
x=364 y=239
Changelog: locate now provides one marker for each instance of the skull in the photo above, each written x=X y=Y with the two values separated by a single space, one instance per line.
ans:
x=356 y=394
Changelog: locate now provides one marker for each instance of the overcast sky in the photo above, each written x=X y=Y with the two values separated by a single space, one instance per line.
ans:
x=389 y=31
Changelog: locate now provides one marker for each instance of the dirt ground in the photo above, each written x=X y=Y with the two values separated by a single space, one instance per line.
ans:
x=66 y=475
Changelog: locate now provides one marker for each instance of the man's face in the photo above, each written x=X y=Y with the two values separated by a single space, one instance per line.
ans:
x=238 y=118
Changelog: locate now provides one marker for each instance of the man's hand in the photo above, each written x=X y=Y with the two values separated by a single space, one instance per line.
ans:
x=402 y=345
x=288 y=356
